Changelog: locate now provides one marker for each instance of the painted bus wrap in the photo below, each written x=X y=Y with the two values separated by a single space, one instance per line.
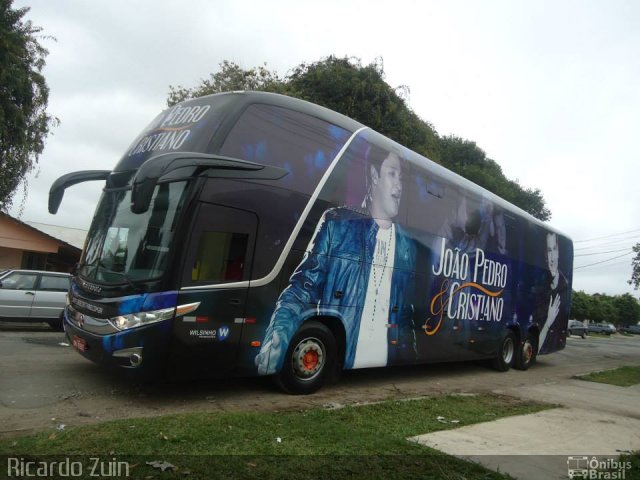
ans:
x=256 y=234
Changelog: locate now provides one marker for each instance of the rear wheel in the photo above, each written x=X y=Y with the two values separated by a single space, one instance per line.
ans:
x=506 y=353
x=310 y=360
x=527 y=353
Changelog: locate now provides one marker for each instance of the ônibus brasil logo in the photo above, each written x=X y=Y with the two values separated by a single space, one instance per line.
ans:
x=597 y=468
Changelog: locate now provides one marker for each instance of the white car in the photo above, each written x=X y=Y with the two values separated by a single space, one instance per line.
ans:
x=35 y=296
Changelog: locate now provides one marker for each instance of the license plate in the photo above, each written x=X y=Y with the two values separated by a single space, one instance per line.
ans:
x=79 y=344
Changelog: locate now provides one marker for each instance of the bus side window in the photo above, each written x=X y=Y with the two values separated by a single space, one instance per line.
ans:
x=300 y=143
x=221 y=257
x=222 y=245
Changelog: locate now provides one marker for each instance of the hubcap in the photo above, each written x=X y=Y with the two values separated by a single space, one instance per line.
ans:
x=308 y=358
x=507 y=350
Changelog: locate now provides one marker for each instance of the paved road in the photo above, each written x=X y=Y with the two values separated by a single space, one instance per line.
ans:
x=44 y=383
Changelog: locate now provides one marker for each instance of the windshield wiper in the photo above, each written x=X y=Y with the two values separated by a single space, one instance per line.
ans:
x=126 y=278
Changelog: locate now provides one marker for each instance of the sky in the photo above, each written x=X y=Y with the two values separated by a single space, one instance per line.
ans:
x=548 y=89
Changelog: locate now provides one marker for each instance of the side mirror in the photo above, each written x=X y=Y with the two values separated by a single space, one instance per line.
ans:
x=56 y=192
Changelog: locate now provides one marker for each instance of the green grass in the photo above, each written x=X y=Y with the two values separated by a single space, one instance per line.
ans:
x=318 y=443
x=623 y=376
x=598 y=335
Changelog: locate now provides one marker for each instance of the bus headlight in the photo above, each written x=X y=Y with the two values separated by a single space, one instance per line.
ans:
x=133 y=320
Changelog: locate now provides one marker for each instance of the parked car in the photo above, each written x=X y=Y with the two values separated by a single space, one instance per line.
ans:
x=577 y=328
x=605 y=328
x=32 y=295
x=635 y=329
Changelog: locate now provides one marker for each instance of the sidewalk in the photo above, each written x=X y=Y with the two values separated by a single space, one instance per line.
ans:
x=595 y=419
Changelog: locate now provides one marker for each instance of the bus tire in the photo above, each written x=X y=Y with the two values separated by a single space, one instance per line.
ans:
x=526 y=354
x=310 y=360
x=506 y=353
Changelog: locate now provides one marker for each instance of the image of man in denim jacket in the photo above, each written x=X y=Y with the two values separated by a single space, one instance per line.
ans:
x=359 y=268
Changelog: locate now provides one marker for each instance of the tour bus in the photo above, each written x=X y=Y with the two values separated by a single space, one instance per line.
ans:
x=250 y=233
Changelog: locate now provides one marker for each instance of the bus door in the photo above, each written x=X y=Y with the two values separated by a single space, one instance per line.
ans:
x=216 y=273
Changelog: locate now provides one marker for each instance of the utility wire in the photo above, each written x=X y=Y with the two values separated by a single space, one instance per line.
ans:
x=601 y=253
x=603 y=261
x=621 y=241
x=607 y=236
x=608 y=265
x=618 y=238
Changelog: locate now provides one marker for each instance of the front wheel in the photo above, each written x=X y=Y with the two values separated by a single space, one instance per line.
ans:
x=310 y=360
x=527 y=353
x=506 y=353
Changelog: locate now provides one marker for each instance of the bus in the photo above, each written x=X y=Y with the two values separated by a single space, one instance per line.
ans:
x=250 y=233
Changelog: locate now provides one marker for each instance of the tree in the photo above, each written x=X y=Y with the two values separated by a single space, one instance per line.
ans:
x=628 y=309
x=465 y=158
x=603 y=308
x=635 y=265
x=460 y=154
x=24 y=122
x=360 y=92
x=230 y=77
x=619 y=309
x=581 y=306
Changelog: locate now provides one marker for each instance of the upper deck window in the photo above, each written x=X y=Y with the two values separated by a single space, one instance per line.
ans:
x=301 y=144
x=186 y=127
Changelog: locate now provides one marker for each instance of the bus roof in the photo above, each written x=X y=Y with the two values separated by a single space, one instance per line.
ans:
x=209 y=120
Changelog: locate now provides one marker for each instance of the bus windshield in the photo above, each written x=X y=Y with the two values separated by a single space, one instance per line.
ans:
x=124 y=246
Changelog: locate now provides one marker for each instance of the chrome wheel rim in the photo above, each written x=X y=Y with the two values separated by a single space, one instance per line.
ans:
x=308 y=359
x=507 y=350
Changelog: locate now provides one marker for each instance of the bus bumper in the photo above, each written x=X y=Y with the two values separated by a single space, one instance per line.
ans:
x=142 y=350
